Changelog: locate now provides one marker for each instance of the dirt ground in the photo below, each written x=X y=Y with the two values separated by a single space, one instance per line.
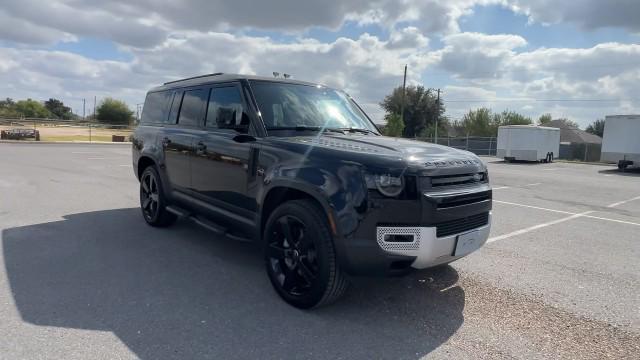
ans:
x=73 y=133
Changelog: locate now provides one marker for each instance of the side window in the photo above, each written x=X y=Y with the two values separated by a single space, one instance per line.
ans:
x=226 y=110
x=175 y=107
x=156 y=107
x=192 y=109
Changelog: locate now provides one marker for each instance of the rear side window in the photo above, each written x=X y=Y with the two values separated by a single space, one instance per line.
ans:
x=192 y=109
x=225 y=109
x=156 y=107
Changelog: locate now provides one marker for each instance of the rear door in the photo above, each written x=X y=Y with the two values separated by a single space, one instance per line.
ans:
x=188 y=108
x=222 y=152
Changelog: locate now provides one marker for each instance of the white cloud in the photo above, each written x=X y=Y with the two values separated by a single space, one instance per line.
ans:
x=584 y=84
x=366 y=67
x=589 y=14
x=475 y=55
x=168 y=39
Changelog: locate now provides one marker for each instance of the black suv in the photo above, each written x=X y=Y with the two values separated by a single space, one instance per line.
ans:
x=301 y=170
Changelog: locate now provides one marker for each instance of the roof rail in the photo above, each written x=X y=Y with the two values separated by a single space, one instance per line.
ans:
x=194 y=77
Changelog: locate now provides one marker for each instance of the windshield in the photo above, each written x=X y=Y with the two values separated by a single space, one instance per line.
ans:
x=293 y=105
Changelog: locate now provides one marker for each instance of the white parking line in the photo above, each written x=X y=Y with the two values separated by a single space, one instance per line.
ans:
x=95 y=158
x=534 y=207
x=83 y=152
x=127 y=165
x=551 y=169
x=534 y=184
x=535 y=227
x=623 y=202
x=568 y=212
x=500 y=188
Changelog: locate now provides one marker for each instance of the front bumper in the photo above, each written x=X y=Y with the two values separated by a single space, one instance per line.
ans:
x=437 y=217
x=427 y=249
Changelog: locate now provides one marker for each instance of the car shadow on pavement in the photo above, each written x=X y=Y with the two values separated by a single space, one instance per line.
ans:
x=179 y=293
x=635 y=172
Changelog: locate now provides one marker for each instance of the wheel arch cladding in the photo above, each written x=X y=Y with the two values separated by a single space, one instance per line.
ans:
x=280 y=194
x=143 y=163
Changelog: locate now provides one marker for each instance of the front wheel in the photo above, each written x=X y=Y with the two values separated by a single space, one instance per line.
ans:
x=153 y=201
x=300 y=256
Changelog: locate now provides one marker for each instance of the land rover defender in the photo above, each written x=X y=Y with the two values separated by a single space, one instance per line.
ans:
x=299 y=169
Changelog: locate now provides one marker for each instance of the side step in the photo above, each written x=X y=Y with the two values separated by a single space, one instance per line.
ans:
x=207 y=224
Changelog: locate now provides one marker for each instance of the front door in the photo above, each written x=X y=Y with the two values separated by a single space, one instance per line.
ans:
x=222 y=152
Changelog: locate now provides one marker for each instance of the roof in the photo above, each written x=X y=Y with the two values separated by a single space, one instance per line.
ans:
x=220 y=77
x=571 y=134
x=528 y=127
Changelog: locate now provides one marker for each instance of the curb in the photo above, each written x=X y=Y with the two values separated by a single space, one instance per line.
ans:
x=65 y=142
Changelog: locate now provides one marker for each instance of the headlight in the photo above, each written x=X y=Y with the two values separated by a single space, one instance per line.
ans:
x=386 y=184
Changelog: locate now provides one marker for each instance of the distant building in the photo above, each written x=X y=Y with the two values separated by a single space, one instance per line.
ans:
x=576 y=144
x=572 y=135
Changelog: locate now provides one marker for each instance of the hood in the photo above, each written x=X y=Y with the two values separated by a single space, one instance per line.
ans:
x=415 y=153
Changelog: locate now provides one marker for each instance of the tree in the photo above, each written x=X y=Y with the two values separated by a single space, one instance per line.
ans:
x=478 y=122
x=31 y=109
x=8 y=108
x=420 y=108
x=114 y=111
x=596 y=127
x=482 y=122
x=509 y=117
x=395 y=125
x=569 y=122
x=57 y=108
x=544 y=119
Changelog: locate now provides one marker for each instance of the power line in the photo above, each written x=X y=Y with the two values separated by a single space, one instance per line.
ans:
x=537 y=100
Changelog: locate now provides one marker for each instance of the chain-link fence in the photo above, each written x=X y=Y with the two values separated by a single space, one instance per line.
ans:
x=581 y=152
x=487 y=146
x=63 y=130
x=476 y=144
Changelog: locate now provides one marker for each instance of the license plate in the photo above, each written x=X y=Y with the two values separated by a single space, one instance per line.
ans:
x=467 y=243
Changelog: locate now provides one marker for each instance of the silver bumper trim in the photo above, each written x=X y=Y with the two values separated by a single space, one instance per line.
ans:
x=428 y=249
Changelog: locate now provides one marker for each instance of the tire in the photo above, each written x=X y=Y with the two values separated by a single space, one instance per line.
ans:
x=304 y=271
x=153 y=201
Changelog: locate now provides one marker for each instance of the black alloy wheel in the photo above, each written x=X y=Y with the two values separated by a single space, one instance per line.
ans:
x=152 y=200
x=300 y=255
x=292 y=256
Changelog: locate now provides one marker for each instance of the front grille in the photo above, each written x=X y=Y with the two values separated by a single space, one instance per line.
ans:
x=461 y=225
x=458 y=179
x=464 y=199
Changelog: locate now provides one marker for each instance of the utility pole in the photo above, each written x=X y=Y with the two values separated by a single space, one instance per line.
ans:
x=94 y=116
x=404 y=85
x=84 y=115
x=437 y=116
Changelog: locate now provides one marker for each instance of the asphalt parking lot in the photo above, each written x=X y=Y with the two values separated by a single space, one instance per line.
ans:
x=83 y=277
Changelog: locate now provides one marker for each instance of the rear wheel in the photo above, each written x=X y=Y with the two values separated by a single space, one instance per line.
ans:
x=300 y=256
x=153 y=202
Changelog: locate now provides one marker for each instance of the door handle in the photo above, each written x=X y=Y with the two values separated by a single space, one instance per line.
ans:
x=165 y=142
x=243 y=138
x=200 y=148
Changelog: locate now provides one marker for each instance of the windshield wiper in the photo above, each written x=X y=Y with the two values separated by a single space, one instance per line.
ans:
x=358 y=130
x=305 y=128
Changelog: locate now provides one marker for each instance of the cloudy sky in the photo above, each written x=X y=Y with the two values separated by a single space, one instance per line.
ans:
x=578 y=59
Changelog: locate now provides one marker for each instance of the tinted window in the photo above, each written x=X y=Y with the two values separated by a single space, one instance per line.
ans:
x=225 y=108
x=156 y=107
x=192 y=107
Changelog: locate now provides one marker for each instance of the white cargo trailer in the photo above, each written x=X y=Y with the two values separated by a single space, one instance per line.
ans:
x=621 y=140
x=528 y=143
